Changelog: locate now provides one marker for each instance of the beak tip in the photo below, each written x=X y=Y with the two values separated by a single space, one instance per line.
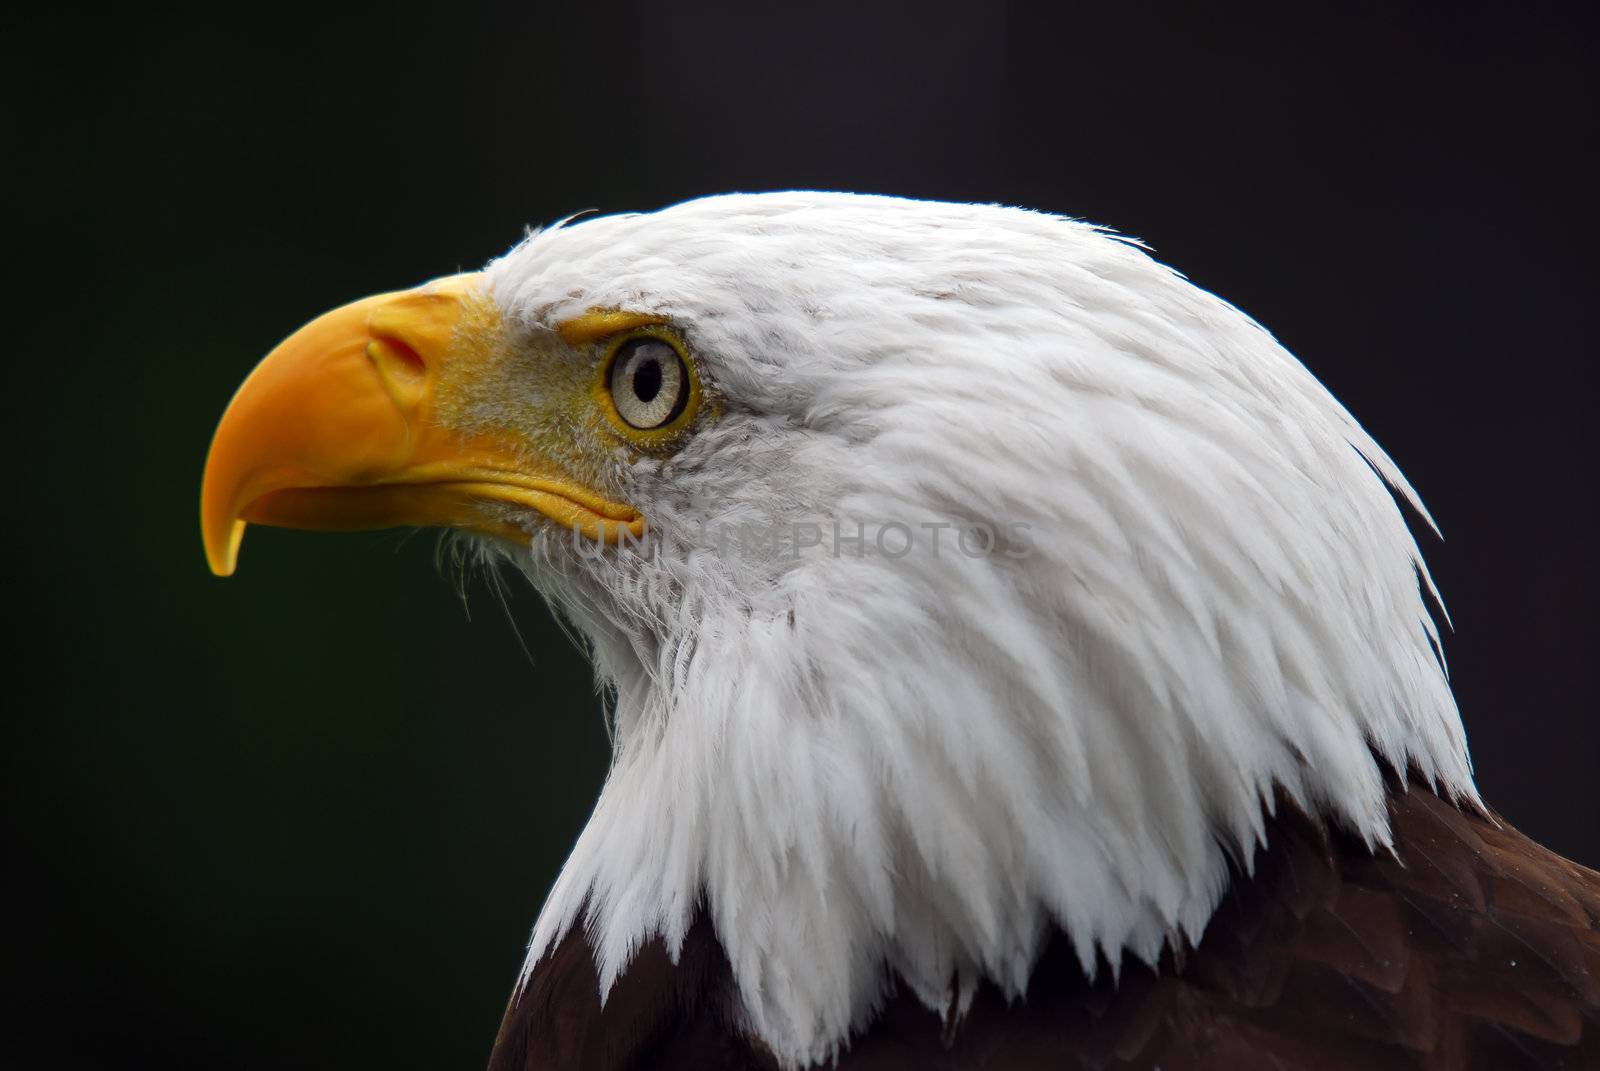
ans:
x=222 y=548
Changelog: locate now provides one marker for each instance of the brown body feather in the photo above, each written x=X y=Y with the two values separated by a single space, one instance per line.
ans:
x=1475 y=948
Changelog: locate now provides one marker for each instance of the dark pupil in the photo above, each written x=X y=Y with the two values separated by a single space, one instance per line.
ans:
x=647 y=380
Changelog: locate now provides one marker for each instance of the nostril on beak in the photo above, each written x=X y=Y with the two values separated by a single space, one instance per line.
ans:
x=392 y=351
x=401 y=367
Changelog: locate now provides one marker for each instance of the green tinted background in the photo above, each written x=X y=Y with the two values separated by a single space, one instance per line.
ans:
x=306 y=817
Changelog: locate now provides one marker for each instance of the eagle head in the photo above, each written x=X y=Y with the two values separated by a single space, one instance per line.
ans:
x=956 y=575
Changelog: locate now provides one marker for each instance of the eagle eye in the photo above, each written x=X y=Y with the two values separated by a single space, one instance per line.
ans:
x=649 y=382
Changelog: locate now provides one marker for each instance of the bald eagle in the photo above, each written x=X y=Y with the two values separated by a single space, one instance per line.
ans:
x=1015 y=658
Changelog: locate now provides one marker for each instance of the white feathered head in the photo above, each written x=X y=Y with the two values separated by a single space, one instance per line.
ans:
x=957 y=573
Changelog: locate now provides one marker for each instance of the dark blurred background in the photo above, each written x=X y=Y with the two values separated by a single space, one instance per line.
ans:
x=305 y=818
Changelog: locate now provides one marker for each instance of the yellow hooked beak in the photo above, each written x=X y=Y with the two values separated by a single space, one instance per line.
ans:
x=339 y=428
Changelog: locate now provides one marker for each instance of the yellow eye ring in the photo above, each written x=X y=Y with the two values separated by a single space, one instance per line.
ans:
x=659 y=398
